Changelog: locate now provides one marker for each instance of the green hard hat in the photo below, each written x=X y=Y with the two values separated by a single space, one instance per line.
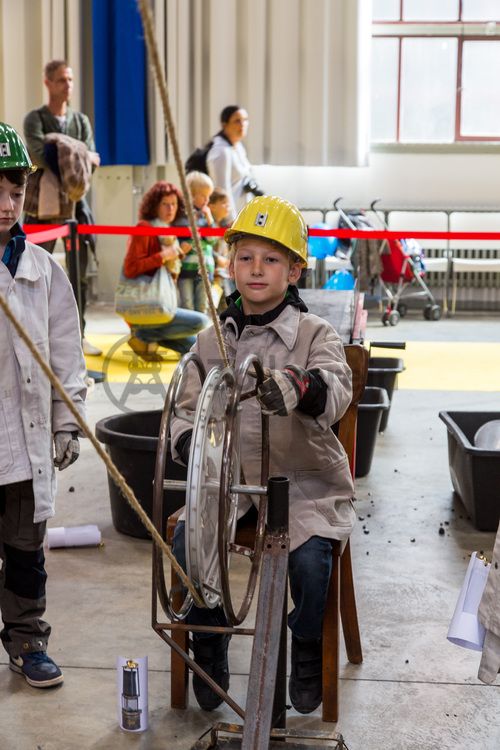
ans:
x=13 y=152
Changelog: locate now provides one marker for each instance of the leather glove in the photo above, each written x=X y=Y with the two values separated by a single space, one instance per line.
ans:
x=281 y=392
x=67 y=449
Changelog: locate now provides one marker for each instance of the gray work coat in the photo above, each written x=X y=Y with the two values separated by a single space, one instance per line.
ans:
x=42 y=300
x=303 y=448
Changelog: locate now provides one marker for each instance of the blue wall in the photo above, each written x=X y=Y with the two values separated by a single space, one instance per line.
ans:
x=120 y=83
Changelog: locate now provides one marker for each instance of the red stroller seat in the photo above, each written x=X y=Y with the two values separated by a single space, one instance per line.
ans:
x=396 y=263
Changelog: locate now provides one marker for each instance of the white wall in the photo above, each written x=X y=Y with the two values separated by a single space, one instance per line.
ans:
x=399 y=179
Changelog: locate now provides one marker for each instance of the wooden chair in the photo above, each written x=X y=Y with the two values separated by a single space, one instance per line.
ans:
x=341 y=597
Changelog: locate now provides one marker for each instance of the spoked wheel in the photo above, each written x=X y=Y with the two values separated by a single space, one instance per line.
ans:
x=170 y=408
x=228 y=498
x=204 y=484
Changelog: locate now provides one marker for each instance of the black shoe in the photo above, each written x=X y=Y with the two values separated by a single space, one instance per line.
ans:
x=37 y=668
x=305 y=686
x=211 y=654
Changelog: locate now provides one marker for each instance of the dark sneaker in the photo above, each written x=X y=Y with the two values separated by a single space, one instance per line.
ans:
x=211 y=654
x=305 y=686
x=38 y=669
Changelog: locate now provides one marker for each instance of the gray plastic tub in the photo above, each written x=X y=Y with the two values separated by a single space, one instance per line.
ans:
x=475 y=472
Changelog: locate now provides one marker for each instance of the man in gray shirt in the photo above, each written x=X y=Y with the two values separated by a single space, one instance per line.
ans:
x=57 y=116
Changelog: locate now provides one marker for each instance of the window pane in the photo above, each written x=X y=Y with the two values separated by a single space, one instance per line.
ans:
x=430 y=10
x=480 y=98
x=386 y=10
x=428 y=86
x=481 y=10
x=384 y=70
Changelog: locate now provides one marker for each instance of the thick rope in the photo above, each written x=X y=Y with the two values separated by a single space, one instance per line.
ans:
x=113 y=471
x=147 y=22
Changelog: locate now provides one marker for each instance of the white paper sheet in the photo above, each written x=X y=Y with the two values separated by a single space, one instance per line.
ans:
x=132 y=693
x=73 y=536
x=465 y=629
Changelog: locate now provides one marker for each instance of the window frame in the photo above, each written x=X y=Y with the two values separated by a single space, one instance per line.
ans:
x=462 y=31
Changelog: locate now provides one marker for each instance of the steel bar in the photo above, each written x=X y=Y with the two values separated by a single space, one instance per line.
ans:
x=236 y=489
x=202 y=628
x=260 y=708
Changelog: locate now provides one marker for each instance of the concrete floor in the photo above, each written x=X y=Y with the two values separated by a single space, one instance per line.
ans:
x=414 y=691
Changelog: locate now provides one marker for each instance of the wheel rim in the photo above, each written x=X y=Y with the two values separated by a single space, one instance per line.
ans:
x=227 y=514
x=203 y=484
x=175 y=388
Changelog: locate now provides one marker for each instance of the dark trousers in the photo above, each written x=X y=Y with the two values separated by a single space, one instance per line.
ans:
x=309 y=570
x=23 y=576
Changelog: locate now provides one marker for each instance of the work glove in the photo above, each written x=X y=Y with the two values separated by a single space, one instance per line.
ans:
x=67 y=449
x=282 y=390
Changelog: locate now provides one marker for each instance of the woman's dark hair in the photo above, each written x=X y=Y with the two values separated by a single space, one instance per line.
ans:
x=228 y=112
x=18 y=177
x=148 y=209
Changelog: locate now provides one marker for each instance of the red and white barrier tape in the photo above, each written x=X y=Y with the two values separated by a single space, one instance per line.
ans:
x=36 y=234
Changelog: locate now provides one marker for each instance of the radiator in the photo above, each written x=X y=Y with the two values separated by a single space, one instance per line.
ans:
x=476 y=289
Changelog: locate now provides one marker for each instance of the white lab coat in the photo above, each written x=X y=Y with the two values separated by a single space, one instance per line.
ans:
x=41 y=298
x=228 y=166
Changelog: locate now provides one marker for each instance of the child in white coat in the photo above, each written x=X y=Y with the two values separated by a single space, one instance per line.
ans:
x=34 y=422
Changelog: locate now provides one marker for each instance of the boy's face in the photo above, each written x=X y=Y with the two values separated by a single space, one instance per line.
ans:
x=220 y=209
x=11 y=206
x=262 y=273
x=201 y=196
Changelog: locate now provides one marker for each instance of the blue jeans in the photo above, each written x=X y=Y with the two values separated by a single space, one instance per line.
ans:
x=179 y=334
x=309 y=570
x=192 y=293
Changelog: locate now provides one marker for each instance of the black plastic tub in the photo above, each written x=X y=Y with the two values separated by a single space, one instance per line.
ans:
x=131 y=441
x=373 y=405
x=382 y=373
x=475 y=472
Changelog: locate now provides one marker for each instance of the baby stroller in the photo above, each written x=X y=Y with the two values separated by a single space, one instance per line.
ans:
x=403 y=266
x=395 y=265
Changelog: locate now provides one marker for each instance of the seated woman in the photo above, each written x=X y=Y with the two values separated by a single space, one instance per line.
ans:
x=161 y=206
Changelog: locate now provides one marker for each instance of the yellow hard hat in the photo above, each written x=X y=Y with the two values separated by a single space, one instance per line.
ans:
x=273 y=219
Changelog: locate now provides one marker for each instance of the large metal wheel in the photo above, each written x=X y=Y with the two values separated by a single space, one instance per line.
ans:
x=213 y=486
x=228 y=498
x=175 y=389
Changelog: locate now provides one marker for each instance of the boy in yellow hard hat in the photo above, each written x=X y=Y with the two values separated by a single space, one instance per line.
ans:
x=34 y=421
x=307 y=389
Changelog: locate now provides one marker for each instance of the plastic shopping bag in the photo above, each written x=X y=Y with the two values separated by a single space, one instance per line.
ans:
x=147 y=300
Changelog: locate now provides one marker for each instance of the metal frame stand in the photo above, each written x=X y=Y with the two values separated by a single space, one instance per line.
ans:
x=264 y=717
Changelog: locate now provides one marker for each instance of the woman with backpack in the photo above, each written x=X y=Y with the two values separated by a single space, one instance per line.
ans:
x=225 y=160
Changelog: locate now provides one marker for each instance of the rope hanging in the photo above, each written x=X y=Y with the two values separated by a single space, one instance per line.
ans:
x=152 y=47
x=113 y=471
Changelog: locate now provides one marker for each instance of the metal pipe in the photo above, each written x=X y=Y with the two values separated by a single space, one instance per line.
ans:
x=236 y=489
x=277 y=504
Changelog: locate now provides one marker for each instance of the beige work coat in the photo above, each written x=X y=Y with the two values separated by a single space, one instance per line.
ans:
x=303 y=448
x=41 y=298
x=489 y=616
